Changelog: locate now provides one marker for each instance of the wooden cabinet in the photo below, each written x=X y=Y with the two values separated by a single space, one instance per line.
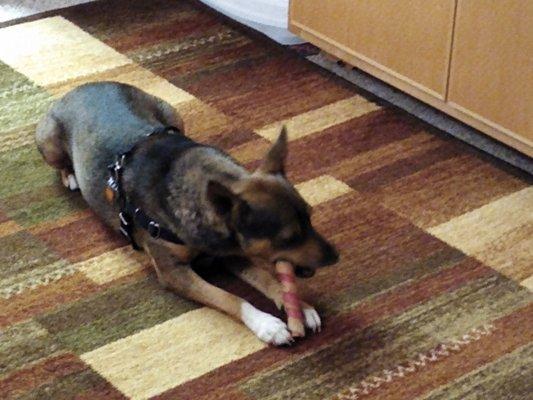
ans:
x=470 y=58
x=409 y=39
x=492 y=64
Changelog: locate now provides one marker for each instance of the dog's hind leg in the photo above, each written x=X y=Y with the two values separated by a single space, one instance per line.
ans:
x=185 y=282
x=262 y=280
x=50 y=143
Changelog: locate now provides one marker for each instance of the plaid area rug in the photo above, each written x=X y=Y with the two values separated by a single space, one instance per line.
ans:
x=429 y=301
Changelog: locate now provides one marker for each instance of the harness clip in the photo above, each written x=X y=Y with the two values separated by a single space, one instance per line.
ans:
x=124 y=219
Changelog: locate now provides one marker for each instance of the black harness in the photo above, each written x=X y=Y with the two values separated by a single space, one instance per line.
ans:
x=130 y=215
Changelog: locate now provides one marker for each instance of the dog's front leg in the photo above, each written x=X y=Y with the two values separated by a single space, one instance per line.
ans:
x=262 y=280
x=180 y=278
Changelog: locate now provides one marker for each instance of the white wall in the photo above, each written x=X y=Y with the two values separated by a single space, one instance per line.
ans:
x=11 y=9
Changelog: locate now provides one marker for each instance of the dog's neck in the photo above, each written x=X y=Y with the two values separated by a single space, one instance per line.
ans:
x=170 y=186
x=189 y=203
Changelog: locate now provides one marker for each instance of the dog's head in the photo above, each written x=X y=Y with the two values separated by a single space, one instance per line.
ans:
x=270 y=219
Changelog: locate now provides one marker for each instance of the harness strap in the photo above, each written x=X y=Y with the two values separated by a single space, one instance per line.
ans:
x=156 y=231
x=130 y=215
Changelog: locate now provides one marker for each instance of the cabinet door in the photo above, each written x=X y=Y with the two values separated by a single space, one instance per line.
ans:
x=491 y=76
x=407 y=39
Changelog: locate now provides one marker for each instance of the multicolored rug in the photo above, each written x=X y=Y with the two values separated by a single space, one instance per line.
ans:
x=431 y=299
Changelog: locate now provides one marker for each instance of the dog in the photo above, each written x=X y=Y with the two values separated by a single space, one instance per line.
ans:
x=176 y=199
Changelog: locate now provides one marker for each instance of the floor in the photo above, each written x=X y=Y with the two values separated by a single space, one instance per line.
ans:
x=431 y=298
x=426 y=113
x=14 y=9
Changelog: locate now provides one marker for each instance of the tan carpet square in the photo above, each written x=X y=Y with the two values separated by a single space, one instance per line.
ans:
x=166 y=355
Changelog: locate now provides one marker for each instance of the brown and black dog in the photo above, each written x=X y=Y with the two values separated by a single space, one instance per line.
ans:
x=197 y=192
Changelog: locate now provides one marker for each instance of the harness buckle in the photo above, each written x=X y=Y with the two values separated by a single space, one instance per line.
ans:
x=154 y=229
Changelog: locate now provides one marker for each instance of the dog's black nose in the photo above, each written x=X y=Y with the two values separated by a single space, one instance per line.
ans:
x=329 y=254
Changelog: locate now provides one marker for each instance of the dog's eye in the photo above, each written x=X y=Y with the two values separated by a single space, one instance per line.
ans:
x=290 y=240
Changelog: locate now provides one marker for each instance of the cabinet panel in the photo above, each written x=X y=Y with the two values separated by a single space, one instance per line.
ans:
x=327 y=18
x=491 y=75
x=409 y=39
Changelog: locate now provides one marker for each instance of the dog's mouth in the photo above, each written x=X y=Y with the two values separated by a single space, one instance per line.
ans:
x=304 y=272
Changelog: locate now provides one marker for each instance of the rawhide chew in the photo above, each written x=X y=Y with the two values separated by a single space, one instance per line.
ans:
x=291 y=302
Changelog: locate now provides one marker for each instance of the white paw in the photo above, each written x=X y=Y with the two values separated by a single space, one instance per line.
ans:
x=267 y=327
x=72 y=182
x=312 y=319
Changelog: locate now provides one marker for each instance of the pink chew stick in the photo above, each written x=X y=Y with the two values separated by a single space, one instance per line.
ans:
x=291 y=302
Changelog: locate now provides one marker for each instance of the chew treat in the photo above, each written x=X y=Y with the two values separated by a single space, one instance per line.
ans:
x=291 y=302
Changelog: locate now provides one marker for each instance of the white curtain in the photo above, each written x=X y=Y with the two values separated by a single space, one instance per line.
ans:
x=267 y=16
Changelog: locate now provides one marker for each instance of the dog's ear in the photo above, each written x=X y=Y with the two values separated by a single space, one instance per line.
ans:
x=274 y=162
x=221 y=197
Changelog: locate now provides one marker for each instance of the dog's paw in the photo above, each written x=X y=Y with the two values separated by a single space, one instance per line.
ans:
x=311 y=317
x=69 y=181
x=266 y=327
x=72 y=182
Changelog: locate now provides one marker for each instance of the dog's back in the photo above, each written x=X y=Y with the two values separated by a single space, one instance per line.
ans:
x=93 y=123
x=97 y=121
